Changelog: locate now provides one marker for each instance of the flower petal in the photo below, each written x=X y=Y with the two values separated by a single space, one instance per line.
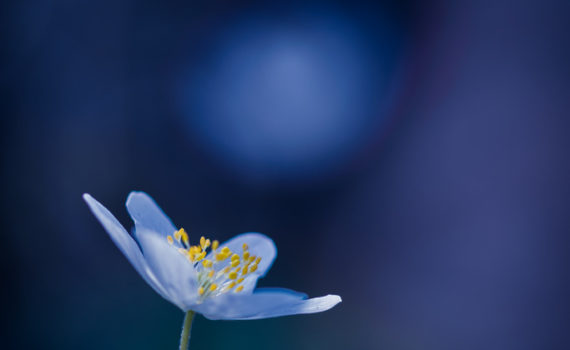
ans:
x=259 y=245
x=124 y=242
x=147 y=214
x=174 y=271
x=263 y=304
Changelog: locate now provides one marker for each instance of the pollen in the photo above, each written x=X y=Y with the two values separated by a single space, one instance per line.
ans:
x=201 y=290
x=244 y=246
x=239 y=289
x=213 y=287
x=169 y=239
x=215 y=245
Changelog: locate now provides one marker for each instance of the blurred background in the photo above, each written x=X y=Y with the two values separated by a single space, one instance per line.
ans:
x=410 y=156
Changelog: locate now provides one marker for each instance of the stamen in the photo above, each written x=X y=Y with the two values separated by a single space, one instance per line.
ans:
x=215 y=275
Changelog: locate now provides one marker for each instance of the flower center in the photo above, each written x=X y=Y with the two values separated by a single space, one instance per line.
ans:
x=223 y=272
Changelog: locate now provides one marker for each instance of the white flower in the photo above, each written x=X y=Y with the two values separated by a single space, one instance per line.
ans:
x=216 y=280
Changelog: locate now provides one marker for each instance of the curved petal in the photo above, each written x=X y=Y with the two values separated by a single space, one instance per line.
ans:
x=147 y=215
x=259 y=245
x=263 y=304
x=124 y=242
x=174 y=271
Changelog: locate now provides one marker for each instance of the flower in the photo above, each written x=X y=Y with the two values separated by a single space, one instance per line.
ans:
x=216 y=280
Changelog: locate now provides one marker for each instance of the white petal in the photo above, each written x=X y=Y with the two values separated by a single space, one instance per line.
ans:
x=263 y=304
x=259 y=245
x=174 y=271
x=124 y=242
x=147 y=214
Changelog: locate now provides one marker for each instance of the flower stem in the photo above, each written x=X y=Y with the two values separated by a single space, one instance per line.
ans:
x=186 y=327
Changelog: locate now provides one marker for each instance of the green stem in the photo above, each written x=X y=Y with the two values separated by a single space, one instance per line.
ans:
x=185 y=336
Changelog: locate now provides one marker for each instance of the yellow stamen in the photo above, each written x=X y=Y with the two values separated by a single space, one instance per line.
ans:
x=235 y=263
x=240 y=280
x=253 y=268
x=244 y=246
x=207 y=243
x=258 y=260
x=184 y=236
x=177 y=235
x=211 y=274
x=202 y=242
x=245 y=255
x=201 y=290
x=215 y=245
x=231 y=285
x=213 y=287
x=221 y=256
x=244 y=271
x=226 y=251
x=232 y=275
x=227 y=269
x=207 y=263
x=170 y=240
x=239 y=289
x=235 y=257
x=200 y=256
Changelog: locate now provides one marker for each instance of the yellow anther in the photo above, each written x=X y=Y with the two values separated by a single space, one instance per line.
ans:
x=253 y=268
x=240 y=280
x=232 y=275
x=227 y=269
x=211 y=274
x=221 y=256
x=244 y=246
x=200 y=256
x=207 y=244
x=202 y=242
x=201 y=290
x=244 y=271
x=251 y=259
x=182 y=251
x=184 y=236
x=245 y=255
x=213 y=287
x=169 y=239
x=231 y=285
x=215 y=245
x=207 y=263
x=258 y=260
x=235 y=257
x=177 y=235
x=239 y=289
x=226 y=250
x=235 y=263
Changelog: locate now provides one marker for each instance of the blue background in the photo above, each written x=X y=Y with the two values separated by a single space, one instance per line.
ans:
x=409 y=156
